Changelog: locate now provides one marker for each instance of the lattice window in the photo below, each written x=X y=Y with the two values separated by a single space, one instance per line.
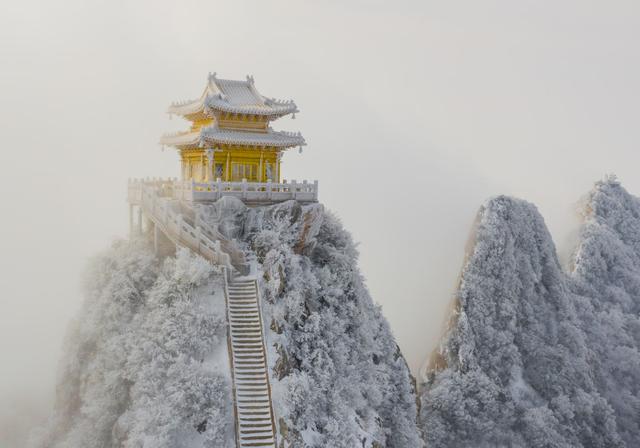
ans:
x=241 y=171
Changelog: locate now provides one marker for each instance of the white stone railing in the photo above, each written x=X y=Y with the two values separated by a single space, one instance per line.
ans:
x=162 y=187
x=177 y=229
x=212 y=191
x=246 y=191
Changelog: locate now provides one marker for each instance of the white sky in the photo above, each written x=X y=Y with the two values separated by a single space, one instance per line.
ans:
x=414 y=112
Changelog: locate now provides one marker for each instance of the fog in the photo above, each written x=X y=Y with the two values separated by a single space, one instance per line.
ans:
x=415 y=112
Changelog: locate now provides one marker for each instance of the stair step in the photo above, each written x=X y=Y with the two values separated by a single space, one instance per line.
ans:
x=264 y=435
x=258 y=444
x=251 y=387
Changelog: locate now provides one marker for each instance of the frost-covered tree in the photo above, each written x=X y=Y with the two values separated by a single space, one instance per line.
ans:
x=517 y=368
x=138 y=370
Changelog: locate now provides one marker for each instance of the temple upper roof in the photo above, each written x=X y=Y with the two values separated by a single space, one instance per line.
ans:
x=212 y=135
x=232 y=96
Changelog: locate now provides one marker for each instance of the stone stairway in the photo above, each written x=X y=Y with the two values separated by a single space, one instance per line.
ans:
x=255 y=423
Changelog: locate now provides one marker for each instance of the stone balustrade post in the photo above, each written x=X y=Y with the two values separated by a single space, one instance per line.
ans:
x=130 y=219
x=198 y=238
x=179 y=224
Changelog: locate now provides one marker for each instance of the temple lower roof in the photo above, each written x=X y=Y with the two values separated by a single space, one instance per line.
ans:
x=213 y=135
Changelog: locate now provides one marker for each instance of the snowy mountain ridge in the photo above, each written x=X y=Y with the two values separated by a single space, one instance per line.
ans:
x=147 y=362
x=533 y=356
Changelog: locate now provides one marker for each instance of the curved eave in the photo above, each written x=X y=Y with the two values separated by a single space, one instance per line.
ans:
x=181 y=140
x=191 y=107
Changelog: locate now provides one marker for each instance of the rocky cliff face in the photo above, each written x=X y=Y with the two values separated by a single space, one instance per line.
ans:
x=146 y=362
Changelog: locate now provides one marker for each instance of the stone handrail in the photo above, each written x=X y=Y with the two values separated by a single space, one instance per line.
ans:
x=256 y=192
x=236 y=420
x=247 y=191
x=178 y=230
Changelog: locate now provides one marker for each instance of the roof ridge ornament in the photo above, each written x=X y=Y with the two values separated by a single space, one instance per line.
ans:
x=213 y=76
x=250 y=79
